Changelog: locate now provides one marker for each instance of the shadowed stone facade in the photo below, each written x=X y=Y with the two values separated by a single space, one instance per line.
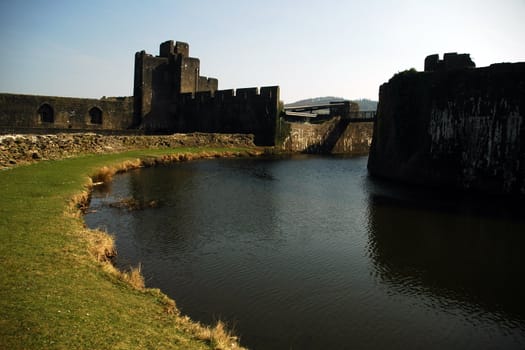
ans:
x=454 y=126
x=450 y=61
x=48 y=114
x=170 y=96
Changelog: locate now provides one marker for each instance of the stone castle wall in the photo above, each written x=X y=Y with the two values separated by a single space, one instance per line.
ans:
x=459 y=128
x=242 y=111
x=19 y=112
x=170 y=95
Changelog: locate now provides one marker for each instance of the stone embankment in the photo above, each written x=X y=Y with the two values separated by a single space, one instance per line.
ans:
x=23 y=149
x=334 y=136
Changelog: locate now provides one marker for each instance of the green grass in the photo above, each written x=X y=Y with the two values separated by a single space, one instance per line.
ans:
x=53 y=293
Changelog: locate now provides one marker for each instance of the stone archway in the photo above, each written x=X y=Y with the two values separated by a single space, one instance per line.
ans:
x=95 y=114
x=46 y=113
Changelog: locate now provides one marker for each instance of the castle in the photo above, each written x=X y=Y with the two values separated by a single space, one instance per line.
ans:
x=454 y=126
x=169 y=96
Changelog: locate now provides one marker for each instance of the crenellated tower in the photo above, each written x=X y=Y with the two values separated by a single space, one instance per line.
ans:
x=160 y=79
x=170 y=95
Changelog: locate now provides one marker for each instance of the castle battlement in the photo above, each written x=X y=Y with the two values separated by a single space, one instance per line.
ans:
x=451 y=60
x=169 y=49
x=240 y=94
x=171 y=95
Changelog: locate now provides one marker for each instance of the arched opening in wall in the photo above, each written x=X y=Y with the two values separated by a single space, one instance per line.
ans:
x=96 y=115
x=46 y=113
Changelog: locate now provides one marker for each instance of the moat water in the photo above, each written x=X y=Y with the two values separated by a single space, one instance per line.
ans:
x=310 y=253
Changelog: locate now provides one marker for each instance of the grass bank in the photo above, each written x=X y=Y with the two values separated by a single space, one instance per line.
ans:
x=58 y=289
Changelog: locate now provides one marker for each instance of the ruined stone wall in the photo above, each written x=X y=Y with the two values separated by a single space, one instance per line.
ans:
x=23 y=149
x=333 y=136
x=461 y=128
x=19 y=112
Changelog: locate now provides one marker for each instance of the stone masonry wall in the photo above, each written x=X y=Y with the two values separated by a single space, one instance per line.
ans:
x=332 y=136
x=22 y=149
x=171 y=96
x=25 y=111
x=461 y=128
x=247 y=110
x=355 y=139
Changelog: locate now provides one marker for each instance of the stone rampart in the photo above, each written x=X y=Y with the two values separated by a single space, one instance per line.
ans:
x=458 y=128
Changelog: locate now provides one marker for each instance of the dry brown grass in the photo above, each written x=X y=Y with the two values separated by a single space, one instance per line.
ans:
x=79 y=203
x=168 y=304
x=101 y=246
x=128 y=165
x=218 y=336
x=134 y=277
x=185 y=157
x=103 y=175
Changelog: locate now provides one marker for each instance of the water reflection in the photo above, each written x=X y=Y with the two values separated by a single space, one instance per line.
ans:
x=309 y=253
x=469 y=252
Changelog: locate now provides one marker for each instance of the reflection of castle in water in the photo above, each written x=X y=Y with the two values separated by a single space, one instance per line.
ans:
x=450 y=251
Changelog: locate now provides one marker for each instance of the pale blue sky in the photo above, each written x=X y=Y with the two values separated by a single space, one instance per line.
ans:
x=309 y=48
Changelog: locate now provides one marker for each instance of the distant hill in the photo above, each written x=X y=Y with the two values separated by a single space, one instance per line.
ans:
x=364 y=104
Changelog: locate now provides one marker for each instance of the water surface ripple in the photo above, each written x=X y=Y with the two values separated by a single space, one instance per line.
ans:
x=309 y=253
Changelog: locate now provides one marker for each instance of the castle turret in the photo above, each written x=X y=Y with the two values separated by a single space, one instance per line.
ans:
x=160 y=80
x=451 y=60
x=169 y=48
